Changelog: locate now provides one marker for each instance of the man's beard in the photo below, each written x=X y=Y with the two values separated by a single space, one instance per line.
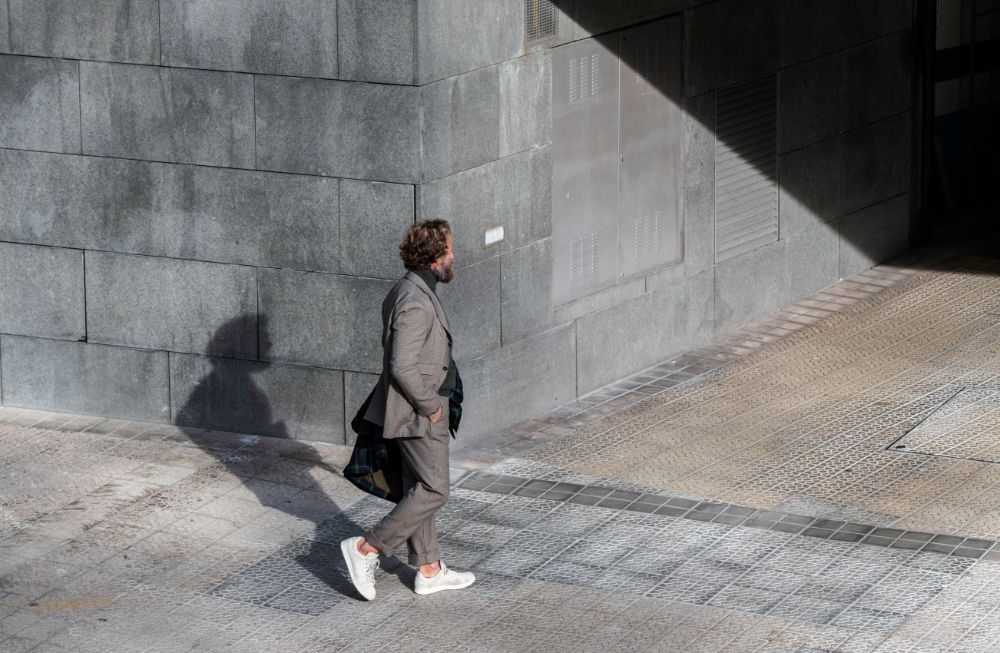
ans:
x=445 y=273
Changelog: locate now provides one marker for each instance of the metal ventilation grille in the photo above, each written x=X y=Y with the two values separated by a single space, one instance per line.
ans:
x=541 y=20
x=583 y=257
x=746 y=157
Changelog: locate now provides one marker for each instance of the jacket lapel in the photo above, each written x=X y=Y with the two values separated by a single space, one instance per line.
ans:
x=438 y=309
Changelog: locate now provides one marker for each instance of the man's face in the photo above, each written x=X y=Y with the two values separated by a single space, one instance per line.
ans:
x=443 y=268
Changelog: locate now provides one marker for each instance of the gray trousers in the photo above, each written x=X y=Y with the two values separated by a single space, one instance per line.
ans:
x=425 y=482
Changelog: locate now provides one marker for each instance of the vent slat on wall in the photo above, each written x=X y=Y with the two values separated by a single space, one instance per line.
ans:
x=746 y=157
x=541 y=20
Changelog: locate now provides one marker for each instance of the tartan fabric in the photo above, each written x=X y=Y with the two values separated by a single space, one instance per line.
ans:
x=374 y=466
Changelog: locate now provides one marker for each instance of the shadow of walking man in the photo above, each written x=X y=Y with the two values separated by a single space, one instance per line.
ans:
x=228 y=399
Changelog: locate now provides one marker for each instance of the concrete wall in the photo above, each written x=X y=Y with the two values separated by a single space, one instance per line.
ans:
x=200 y=200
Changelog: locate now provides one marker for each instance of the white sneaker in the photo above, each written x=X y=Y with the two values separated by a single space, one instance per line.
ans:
x=361 y=567
x=446 y=579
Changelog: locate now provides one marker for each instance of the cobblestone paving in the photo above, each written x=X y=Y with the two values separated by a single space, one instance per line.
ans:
x=812 y=483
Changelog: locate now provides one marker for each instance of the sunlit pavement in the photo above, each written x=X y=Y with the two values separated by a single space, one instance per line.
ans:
x=824 y=480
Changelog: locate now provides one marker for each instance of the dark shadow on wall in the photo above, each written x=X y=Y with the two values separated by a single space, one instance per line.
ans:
x=845 y=116
x=229 y=398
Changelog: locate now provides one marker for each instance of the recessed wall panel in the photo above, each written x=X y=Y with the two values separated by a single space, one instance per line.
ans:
x=585 y=167
x=651 y=129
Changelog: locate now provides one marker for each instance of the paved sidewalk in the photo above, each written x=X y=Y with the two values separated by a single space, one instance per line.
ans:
x=825 y=480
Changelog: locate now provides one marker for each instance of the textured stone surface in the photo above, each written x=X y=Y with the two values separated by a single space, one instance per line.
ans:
x=526 y=291
x=877 y=80
x=811 y=102
x=515 y=193
x=297 y=37
x=181 y=306
x=812 y=186
x=325 y=320
x=167 y=114
x=4 y=28
x=82 y=29
x=453 y=40
x=40 y=104
x=461 y=123
x=643 y=331
x=877 y=162
x=85 y=378
x=342 y=129
x=600 y=300
x=874 y=235
x=42 y=292
x=827 y=180
x=810 y=28
x=377 y=40
x=357 y=387
x=698 y=161
x=812 y=260
x=373 y=218
x=472 y=304
x=283 y=401
x=254 y=218
x=730 y=42
x=527 y=378
x=751 y=286
x=525 y=103
x=599 y=16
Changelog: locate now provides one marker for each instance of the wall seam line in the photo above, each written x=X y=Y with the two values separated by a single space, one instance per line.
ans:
x=86 y=323
x=159 y=31
x=79 y=97
x=203 y=165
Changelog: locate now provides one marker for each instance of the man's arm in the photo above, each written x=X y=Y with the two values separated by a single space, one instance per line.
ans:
x=411 y=323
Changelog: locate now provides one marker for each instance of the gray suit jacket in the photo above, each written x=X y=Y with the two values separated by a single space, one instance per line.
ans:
x=415 y=357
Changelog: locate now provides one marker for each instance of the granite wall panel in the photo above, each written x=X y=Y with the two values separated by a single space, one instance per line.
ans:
x=812 y=187
x=750 y=287
x=812 y=260
x=525 y=103
x=643 y=331
x=104 y=30
x=698 y=184
x=179 y=306
x=357 y=386
x=527 y=378
x=526 y=291
x=340 y=129
x=812 y=28
x=377 y=40
x=283 y=401
x=453 y=37
x=460 y=127
x=291 y=37
x=168 y=114
x=877 y=80
x=42 y=293
x=373 y=219
x=514 y=192
x=472 y=304
x=876 y=162
x=40 y=104
x=191 y=212
x=76 y=377
x=811 y=102
x=600 y=16
x=4 y=28
x=728 y=42
x=874 y=235
x=323 y=320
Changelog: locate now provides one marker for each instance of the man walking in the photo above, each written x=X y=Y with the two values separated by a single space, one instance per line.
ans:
x=410 y=401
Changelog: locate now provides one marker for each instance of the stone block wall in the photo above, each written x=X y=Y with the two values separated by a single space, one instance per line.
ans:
x=201 y=200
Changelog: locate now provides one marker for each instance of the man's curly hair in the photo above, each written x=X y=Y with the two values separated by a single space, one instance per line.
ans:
x=424 y=243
